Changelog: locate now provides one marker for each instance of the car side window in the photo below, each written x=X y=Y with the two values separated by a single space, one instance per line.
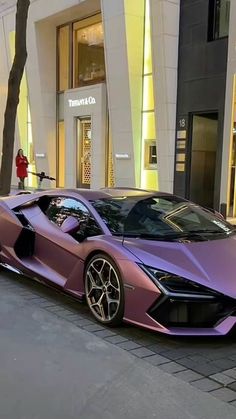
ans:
x=62 y=207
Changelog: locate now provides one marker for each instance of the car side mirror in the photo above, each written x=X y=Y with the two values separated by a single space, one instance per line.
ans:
x=70 y=225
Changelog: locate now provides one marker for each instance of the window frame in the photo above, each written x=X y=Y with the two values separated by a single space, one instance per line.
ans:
x=71 y=58
x=212 y=17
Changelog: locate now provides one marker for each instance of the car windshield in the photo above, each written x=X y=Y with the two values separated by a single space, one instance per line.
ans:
x=161 y=218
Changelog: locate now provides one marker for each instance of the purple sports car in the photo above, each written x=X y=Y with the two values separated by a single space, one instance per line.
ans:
x=148 y=258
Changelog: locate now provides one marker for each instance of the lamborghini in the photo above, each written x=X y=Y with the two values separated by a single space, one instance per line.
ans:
x=151 y=259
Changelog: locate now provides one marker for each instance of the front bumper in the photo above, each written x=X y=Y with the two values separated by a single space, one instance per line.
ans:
x=189 y=315
x=149 y=307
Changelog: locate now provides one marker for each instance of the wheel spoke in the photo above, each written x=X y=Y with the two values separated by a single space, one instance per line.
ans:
x=100 y=308
x=94 y=286
x=114 y=287
x=102 y=312
x=91 y=279
x=99 y=272
x=112 y=300
x=109 y=302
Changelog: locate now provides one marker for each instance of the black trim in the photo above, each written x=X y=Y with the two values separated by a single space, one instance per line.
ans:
x=192 y=312
x=24 y=245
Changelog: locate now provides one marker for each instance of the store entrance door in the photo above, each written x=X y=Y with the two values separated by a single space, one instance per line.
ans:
x=83 y=153
x=203 y=159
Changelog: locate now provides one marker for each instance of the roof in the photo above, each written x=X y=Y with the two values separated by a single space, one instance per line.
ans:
x=112 y=192
x=14 y=201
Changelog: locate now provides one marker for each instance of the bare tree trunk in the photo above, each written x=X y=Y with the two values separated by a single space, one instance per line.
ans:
x=14 y=82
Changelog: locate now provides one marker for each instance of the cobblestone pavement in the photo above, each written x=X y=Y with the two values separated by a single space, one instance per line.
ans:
x=206 y=363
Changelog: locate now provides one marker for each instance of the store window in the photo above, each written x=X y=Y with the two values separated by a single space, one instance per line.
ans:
x=88 y=52
x=219 y=13
x=80 y=53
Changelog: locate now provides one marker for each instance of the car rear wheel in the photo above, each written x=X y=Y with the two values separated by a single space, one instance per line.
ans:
x=104 y=290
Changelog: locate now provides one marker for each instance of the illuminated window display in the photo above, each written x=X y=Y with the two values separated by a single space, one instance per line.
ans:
x=88 y=53
x=84 y=57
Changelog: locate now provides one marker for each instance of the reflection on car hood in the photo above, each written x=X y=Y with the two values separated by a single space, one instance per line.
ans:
x=210 y=263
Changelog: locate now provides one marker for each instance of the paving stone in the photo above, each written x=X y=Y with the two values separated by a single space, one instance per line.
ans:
x=188 y=375
x=56 y=308
x=157 y=359
x=222 y=378
x=198 y=358
x=224 y=363
x=105 y=333
x=172 y=367
x=233 y=403
x=116 y=339
x=142 y=341
x=231 y=372
x=176 y=354
x=224 y=394
x=187 y=362
x=211 y=355
x=232 y=385
x=157 y=348
x=204 y=369
x=62 y=312
x=128 y=345
x=71 y=316
x=93 y=327
x=205 y=384
x=124 y=332
x=142 y=352
x=81 y=322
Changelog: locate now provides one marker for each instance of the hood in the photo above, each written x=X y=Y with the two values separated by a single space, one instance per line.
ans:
x=210 y=263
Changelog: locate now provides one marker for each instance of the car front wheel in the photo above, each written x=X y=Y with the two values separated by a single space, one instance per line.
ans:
x=104 y=290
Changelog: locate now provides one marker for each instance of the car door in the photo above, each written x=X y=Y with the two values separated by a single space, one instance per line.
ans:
x=56 y=250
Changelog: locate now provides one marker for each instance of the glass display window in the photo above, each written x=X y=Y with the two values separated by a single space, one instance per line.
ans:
x=88 y=52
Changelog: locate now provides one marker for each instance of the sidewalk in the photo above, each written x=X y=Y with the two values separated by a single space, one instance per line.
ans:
x=49 y=368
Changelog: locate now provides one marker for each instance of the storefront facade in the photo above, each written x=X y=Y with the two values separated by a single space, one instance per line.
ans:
x=202 y=105
x=98 y=97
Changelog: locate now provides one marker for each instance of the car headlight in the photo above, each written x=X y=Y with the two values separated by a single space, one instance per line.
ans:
x=175 y=284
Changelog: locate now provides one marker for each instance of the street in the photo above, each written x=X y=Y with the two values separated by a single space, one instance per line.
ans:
x=57 y=362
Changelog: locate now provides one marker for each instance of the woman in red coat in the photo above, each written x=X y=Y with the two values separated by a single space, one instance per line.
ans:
x=21 y=168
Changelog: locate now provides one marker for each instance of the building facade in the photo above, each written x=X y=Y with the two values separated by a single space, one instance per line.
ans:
x=206 y=106
x=98 y=96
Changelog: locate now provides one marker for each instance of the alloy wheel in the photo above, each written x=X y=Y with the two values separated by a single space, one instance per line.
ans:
x=103 y=290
